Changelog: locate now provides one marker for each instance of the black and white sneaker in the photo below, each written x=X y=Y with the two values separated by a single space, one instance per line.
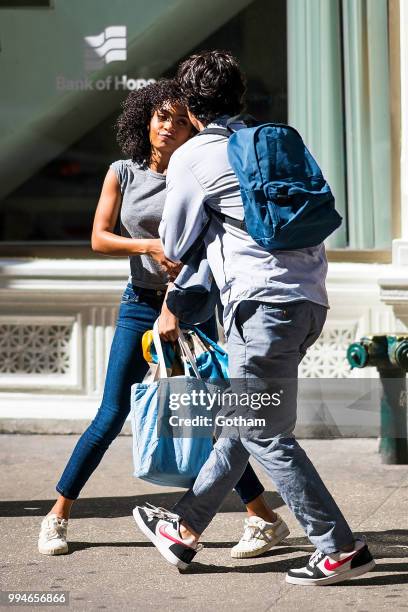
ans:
x=328 y=569
x=163 y=529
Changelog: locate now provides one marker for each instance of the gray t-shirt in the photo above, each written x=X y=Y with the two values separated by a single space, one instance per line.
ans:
x=143 y=195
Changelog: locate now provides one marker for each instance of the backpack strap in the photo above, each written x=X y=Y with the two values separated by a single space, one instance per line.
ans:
x=217 y=131
x=230 y=220
x=224 y=218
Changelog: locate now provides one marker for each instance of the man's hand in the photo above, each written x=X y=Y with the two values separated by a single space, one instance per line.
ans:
x=168 y=325
x=155 y=251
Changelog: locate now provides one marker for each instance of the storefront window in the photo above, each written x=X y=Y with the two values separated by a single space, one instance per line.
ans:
x=59 y=137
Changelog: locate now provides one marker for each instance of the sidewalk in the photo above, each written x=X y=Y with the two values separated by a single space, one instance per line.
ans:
x=111 y=566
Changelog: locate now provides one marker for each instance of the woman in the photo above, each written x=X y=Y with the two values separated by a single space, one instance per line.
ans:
x=152 y=126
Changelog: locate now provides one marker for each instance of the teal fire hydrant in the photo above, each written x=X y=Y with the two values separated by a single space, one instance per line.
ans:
x=389 y=354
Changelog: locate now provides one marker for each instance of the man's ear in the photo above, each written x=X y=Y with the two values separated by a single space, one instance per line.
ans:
x=197 y=124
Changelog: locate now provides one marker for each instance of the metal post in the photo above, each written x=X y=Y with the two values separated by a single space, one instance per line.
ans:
x=393 y=445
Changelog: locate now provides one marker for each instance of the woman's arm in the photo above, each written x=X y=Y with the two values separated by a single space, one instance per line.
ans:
x=105 y=241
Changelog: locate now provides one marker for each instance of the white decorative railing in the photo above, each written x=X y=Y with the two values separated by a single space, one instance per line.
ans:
x=57 y=319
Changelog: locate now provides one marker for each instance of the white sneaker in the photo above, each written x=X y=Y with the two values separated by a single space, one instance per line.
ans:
x=53 y=536
x=259 y=536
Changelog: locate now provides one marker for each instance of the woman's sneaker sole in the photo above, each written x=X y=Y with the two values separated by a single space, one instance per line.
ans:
x=340 y=577
x=249 y=554
x=165 y=552
x=53 y=551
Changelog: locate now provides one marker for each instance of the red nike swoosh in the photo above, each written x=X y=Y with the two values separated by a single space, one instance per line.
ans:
x=163 y=532
x=332 y=566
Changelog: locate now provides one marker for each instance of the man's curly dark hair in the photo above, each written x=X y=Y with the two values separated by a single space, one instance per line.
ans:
x=137 y=110
x=212 y=84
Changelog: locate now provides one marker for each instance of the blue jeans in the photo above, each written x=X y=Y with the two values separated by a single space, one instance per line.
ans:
x=270 y=340
x=127 y=366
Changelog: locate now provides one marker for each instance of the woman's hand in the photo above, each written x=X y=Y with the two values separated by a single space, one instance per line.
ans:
x=168 y=325
x=155 y=250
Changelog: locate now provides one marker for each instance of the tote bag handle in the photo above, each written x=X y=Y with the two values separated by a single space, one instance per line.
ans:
x=159 y=350
x=184 y=347
x=188 y=355
x=207 y=341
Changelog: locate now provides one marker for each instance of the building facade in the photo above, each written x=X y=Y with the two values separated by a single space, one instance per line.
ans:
x=335 y=69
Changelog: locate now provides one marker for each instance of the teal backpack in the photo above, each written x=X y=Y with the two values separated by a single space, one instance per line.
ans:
x=287 y=202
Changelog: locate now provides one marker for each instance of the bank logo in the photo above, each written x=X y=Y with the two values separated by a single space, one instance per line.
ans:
x=106 y=47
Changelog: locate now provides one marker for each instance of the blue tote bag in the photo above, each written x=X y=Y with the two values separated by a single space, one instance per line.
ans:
x=212 y=362
x=211 y=359
x=164 y=459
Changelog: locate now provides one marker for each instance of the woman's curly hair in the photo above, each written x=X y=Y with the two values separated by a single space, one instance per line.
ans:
x=212 y=84
x=137 y=110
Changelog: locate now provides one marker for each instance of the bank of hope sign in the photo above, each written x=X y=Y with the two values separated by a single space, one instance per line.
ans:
x=108 y=46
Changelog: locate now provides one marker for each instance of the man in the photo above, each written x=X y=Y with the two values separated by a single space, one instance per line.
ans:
x=275 y=306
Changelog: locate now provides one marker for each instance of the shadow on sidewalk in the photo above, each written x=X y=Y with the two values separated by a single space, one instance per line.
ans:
x=391 y=573
x=383 y=545
x=388 y=544
x=116 y=507
x=77 y=546
x=282 y=566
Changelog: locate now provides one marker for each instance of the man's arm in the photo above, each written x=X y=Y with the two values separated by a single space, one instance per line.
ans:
x=184 y=215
